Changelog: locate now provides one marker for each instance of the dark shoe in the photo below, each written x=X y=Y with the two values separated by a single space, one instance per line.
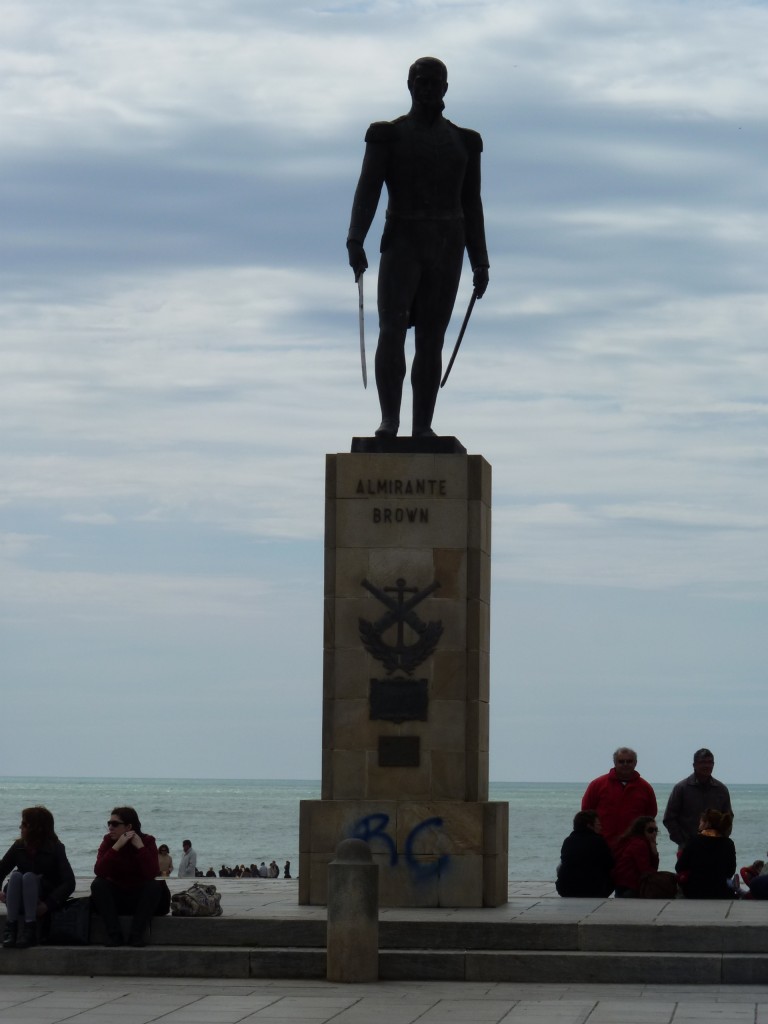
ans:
x=136 y=934
x=425 y=432
x=28 y=937
x=9 y=935
x=388 y=428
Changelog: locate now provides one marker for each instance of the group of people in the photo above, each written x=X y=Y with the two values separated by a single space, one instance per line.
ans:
x=41 y=880
x=188 y=866
x=254 y=871
x=613 y=846
x=130 y=872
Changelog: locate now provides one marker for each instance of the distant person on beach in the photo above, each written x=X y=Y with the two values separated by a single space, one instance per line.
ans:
x=694 y=795
x=585 y=859
x=274 y=870
x=41 y=878
x=126 y=883
x=620 y=796
x=165 y=860
x=263 y=870
x=708 y=861
x=188 y=862
x=210 y=873
x=287 y=869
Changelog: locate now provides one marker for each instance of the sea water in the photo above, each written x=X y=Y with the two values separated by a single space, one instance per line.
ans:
x=244 y=821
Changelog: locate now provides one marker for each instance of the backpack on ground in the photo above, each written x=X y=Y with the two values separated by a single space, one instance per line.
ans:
x=197 y=901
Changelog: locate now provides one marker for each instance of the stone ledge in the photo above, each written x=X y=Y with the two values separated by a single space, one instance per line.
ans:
x=586 y=968
x=401 y=964
x=407 y=445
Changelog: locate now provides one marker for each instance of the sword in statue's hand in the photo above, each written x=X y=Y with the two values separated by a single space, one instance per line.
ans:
x=362 y=327
x=461 y=335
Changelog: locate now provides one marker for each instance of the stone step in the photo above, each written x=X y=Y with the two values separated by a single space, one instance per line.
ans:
x=542 y=966
x=474 y=934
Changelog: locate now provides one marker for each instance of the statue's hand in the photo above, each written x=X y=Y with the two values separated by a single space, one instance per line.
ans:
x=357 y=258
x=480 y=280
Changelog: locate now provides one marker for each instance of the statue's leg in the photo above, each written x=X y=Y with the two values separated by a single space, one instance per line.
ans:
x=390 y=373
x=398 y=277
x=433 y=306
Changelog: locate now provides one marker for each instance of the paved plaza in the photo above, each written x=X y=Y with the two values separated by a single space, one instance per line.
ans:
x=51 y=999
x=55 y=1000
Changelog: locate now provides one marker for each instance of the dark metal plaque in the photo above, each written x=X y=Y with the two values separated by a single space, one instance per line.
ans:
x=399 y=751
x=399 y=700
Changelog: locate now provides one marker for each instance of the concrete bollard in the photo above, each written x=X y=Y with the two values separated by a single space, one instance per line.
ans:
x=353 y=914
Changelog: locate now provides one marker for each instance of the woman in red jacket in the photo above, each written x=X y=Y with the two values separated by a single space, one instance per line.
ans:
x=125 y=883
x=636 y=856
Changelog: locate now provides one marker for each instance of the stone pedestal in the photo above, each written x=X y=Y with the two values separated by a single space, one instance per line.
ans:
x=406 y=681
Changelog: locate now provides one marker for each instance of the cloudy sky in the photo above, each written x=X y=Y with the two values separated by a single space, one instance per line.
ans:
x=178 y=344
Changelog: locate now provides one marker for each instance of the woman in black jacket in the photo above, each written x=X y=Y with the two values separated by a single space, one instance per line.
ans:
x=585 y=859
x=43 y=879
x=708 y=861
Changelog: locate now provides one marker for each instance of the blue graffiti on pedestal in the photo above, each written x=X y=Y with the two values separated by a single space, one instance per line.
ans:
x=374 y=827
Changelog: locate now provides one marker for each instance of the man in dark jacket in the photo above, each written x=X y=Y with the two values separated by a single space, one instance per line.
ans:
x=432 y=172
x=692 y=796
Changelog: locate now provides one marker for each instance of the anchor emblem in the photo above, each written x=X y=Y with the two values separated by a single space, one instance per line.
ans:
x=400 y=655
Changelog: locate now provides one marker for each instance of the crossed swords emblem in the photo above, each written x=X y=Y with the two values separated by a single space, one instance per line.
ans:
x=400 y=655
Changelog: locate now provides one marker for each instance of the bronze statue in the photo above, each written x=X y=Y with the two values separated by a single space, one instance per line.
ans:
x=432 y=172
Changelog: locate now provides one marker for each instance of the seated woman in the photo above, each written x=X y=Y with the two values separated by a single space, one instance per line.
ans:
x=585 y=859
x=636 y=856
x=43 y=880
x=752 y=871
x=708 y=861
x=125 y=883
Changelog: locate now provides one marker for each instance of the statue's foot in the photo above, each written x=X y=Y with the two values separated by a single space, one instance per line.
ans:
x=423 y=432
x=388 y=428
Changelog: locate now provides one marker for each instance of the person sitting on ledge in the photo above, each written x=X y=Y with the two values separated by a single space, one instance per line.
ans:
x=125 y=883
x=41 y=878
x=637 y=856
x=708 y=861
x=585 y=859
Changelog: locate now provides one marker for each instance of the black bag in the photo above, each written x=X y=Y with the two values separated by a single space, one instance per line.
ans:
x=71 y=924
x=660 y=885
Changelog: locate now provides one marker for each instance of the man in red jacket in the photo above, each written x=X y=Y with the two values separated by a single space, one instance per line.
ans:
x=620 y=796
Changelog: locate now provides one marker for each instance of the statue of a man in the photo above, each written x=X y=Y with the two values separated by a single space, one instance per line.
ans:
x=432 y=172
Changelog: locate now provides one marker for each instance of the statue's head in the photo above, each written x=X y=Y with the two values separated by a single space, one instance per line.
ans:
x=428 y=81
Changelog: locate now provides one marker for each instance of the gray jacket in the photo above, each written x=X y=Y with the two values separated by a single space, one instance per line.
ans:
x=688 y=801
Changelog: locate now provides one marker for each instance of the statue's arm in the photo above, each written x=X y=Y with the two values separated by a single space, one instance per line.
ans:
x=474 y=221
x=367 y=195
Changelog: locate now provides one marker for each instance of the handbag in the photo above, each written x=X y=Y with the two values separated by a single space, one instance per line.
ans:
x=197 y=901
x=70 y=925
x=660 y=885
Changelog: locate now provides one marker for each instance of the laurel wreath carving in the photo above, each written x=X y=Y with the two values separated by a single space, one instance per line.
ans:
x=406 y=658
